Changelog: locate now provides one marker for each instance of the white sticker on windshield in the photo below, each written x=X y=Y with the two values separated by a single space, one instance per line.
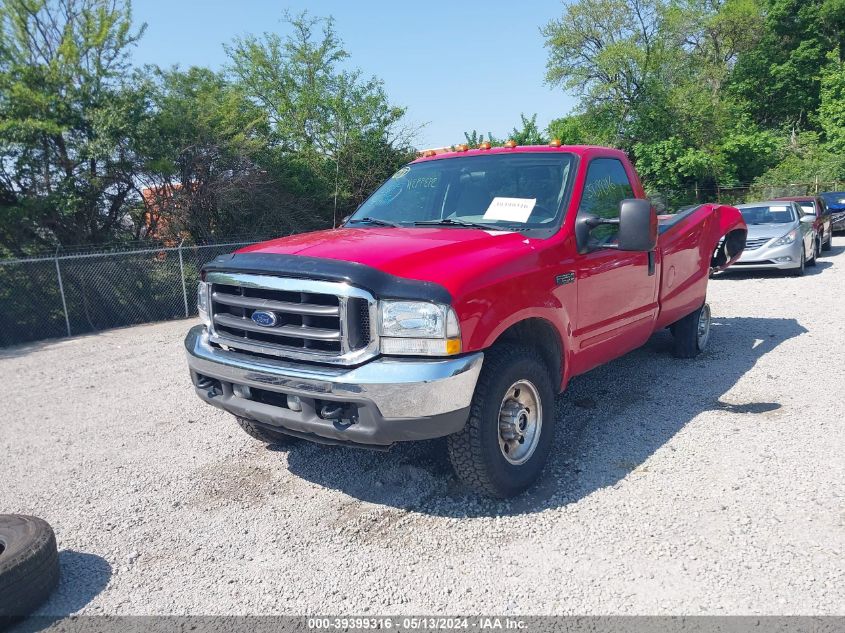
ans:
x=777 y=208
x=510 y=209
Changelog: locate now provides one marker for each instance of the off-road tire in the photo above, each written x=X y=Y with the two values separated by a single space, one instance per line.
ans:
x=29 y=565
x=262 y=433
x=688 y=343
x=474 y=451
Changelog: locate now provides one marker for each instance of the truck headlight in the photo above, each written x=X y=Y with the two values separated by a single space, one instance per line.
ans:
x=787 y=239
x=202 y=302
x=418 y=328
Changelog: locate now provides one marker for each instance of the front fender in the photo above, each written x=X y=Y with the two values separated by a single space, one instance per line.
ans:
x=490 y=312
x=730 y=240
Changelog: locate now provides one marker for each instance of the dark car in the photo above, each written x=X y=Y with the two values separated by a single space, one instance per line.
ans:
x=835 y=201
x=815 y=205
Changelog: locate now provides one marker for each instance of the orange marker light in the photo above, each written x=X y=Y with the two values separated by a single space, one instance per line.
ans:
x=429 y=152
x=555 y=142
x=463 y=147
x=484 y=145
x=510 y=143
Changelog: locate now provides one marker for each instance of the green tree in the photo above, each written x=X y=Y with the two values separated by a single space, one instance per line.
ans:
x=528 y=133
x=780 y=77
x=832 y=104
x=611 y=52
x=474 y=139
x=67 y=119
x=203 y=146
x=322 y=116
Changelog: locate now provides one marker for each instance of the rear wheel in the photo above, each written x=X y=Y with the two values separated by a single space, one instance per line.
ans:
x=692 y=333
x=506 y=441
x=262 y=433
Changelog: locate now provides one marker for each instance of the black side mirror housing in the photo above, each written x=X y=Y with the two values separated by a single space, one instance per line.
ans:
x=637 y=225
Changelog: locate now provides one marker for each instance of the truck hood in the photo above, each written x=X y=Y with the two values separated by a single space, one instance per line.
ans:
x=446 y=256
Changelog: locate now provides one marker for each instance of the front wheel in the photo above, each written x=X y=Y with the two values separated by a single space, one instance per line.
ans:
x=826 y=246
x=692 y=333
x=506 y=441
x=817 y=247
x=799 y=271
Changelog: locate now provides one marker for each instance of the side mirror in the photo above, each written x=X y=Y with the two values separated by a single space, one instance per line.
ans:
x=808 y=218
x=637 y=226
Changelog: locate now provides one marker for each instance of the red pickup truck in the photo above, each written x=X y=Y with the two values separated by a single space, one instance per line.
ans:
x=457 y=301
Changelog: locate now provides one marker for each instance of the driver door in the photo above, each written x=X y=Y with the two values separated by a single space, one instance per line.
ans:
x=617 y=290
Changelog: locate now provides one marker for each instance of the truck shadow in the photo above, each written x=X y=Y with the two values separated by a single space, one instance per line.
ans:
x=609 y=422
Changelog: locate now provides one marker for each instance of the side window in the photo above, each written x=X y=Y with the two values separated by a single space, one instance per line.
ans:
x=605 y=186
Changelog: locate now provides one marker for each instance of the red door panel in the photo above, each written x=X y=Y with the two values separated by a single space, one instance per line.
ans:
x=617 y=305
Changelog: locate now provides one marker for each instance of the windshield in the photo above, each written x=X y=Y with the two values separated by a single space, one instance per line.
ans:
x=834 y=197
x=808 y=207
x=768 y=214
x=514 y=192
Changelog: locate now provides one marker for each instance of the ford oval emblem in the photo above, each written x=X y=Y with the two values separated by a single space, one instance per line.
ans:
x=264 y=319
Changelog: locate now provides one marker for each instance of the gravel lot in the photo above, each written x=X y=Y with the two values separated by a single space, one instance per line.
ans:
x=708 y=486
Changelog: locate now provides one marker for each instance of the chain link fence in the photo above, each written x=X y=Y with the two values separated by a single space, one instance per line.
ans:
x=71 y=294
x=667 y=200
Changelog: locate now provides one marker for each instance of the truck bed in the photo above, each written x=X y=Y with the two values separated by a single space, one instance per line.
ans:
x=690 y=242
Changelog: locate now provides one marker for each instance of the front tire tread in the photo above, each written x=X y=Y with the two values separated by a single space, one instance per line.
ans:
x=467 y=451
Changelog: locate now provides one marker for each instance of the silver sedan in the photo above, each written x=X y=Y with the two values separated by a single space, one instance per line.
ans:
x=780 y=237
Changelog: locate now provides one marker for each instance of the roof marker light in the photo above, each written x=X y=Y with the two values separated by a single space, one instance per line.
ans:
x=555 y=142
x=484 y=145
x=463 y=147
x=428 y=153
x=510 y=143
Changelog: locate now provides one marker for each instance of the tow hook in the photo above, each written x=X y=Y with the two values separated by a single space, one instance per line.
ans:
x=340 y=413
x=331 y=411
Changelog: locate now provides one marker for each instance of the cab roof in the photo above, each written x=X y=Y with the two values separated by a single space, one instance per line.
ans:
x=579 y=150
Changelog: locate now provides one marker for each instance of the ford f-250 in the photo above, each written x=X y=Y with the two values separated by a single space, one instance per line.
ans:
x=457 y=301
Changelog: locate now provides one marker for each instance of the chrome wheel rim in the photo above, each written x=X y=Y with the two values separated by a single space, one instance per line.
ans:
x=703 y=326
x=520 y=422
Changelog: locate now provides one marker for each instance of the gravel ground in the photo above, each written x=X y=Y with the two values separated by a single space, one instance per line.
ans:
x=677 y=487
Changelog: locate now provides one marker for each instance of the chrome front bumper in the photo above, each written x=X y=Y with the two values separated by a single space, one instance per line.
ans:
x=394 y=399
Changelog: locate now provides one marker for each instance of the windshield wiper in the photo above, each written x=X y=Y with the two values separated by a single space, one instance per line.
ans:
x=375 y=221
x=451 y=222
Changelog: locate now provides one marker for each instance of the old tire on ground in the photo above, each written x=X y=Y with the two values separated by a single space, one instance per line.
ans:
x=262 y=433
x=29 y=565
x=506 y=441
x=692 y=333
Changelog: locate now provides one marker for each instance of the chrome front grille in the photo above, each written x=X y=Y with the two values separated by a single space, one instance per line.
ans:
x=755 y=242
x=305 y=319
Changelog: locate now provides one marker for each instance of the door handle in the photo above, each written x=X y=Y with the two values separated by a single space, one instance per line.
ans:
x=651 y=262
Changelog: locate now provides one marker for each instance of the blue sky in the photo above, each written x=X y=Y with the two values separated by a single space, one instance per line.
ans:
x=455 y=65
